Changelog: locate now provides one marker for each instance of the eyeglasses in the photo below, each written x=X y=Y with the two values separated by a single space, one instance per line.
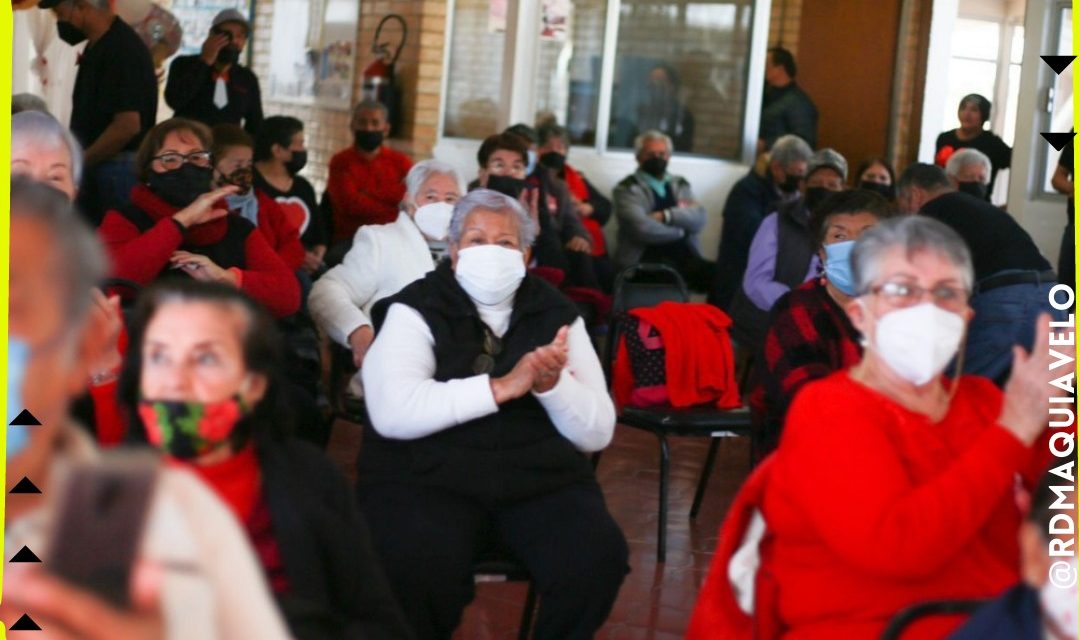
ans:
x=175 y=160
x=485 y=362
x=902 y=294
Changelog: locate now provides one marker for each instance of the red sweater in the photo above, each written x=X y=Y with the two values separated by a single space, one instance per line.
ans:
x=363 y=191
x=142 y=257
x=282 y=234
x=872 y=508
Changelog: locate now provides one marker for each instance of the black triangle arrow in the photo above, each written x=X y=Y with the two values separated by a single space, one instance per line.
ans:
x=25 y=419
x=1058 y=140
x=25 y=623
x=24 y=486
x=1058 y=63
x=25 y=555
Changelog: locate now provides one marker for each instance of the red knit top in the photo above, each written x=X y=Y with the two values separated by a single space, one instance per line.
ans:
x=872 y=508
x=364 y=191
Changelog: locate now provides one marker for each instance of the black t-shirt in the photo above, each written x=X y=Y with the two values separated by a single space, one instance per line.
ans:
x=300 y=206
x=190 y=92
x=116 y=74
x=1066 y=162
x=1000 y=154
x=997 y=242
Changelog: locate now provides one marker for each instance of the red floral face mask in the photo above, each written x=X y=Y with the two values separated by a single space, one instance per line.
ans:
x=190 y=429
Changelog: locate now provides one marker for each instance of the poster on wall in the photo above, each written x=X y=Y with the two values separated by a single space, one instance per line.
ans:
x=314 y=53
x=554 y=19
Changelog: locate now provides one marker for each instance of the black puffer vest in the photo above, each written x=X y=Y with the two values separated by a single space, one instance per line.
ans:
x=514 y=454
x=229 y=252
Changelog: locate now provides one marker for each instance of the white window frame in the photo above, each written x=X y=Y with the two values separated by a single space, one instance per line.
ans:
x=518 y=93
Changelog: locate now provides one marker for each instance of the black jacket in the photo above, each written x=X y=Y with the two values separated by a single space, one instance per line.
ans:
x=513 y=454
x=337 y=588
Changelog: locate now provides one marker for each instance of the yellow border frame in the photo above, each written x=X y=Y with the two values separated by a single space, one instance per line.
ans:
x=5 y=218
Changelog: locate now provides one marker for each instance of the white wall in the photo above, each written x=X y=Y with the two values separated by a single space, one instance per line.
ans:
x=710 y=179
x=1042 y=216
x=937 y=76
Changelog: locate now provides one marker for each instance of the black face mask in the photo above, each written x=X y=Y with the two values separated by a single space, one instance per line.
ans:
x=297 y=162
x=180 y=187
x=655 y=166
x=506 y=185
x=368 y=140
x=884 y=190
x=976 y=189
x=814 y=196
x=553 y=160
x=69 y=33
x=790 y=184
x=228 y=55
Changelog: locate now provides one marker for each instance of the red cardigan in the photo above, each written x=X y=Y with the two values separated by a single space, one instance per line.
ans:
x=142 y=257
x=872 y=508
x=282 y=235
x=363 y=191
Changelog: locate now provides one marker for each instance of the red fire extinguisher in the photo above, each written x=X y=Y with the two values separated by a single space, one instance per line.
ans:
x=379 y=83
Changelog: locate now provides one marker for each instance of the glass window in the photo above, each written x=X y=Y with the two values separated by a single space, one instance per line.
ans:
x=473 y=94
x=568 y=66
x=1061 y=109
x=976 y=39
x=680 y=67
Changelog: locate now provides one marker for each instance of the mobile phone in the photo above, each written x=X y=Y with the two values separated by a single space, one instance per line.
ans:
x=100 y=519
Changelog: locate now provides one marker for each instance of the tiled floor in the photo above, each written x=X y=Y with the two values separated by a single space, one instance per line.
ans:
x=656 y=600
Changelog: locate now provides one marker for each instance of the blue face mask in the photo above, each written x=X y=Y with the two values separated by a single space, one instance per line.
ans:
x=532 y=163
x=838 y=266
x=17 y=436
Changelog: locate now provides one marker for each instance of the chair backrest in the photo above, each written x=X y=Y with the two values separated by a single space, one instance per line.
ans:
x=643 y=285
x=914 y=613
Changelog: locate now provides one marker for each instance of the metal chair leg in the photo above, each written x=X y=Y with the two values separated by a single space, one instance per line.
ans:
x=706 y=473
x=661 y=538
x=525 y=631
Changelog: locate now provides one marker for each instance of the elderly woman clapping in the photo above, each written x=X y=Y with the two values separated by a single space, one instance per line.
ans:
x=892 y=484
x=483 y=391
x=385 y=258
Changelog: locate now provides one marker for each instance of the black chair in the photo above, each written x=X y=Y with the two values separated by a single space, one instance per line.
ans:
x=647 y=285
x=498 y=566
x=907 y=617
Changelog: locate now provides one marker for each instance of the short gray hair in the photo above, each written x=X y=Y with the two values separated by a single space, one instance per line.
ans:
x=84 y=264
x=38 y=129
x=27 y=102
x=789 y=149
x=370 y=105
x=492 y=201
x=964 y=158
x=421 y=172
x=913 y=234
x=649 y=136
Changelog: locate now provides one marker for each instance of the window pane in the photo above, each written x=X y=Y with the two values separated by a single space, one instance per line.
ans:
x=1061 y=114
x=476 y=58
x=681 y=67
x=967 y=76
x=976 y=39
x=1016 y=56
x=568 y=64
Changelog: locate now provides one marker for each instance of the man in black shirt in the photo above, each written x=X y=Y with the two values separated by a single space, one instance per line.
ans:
x=212 y=87
x=114 y=102
x=785 y=109
x=1012 y=278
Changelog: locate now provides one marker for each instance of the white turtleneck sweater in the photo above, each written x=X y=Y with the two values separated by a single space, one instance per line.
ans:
x=405 y=401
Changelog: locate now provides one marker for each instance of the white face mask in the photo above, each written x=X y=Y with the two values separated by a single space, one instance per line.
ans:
x=1059 y=606
x=489 y=273
x=434 y=219
x=918 y=342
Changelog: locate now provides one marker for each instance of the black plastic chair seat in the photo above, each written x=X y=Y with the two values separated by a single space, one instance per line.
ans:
x=692 y=421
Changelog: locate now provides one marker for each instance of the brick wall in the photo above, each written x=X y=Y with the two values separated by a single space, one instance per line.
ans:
x=784 y=24
x=418 y=71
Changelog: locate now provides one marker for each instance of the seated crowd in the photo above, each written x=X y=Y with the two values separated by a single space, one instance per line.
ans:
x=892 y=325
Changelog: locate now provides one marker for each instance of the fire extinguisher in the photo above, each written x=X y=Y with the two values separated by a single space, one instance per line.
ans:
x=379 y=83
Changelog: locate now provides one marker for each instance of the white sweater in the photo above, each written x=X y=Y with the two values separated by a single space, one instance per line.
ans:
x=405 y=402
x=383 y=259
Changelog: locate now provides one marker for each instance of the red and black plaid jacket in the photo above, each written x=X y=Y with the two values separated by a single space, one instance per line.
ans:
x=810 y=337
